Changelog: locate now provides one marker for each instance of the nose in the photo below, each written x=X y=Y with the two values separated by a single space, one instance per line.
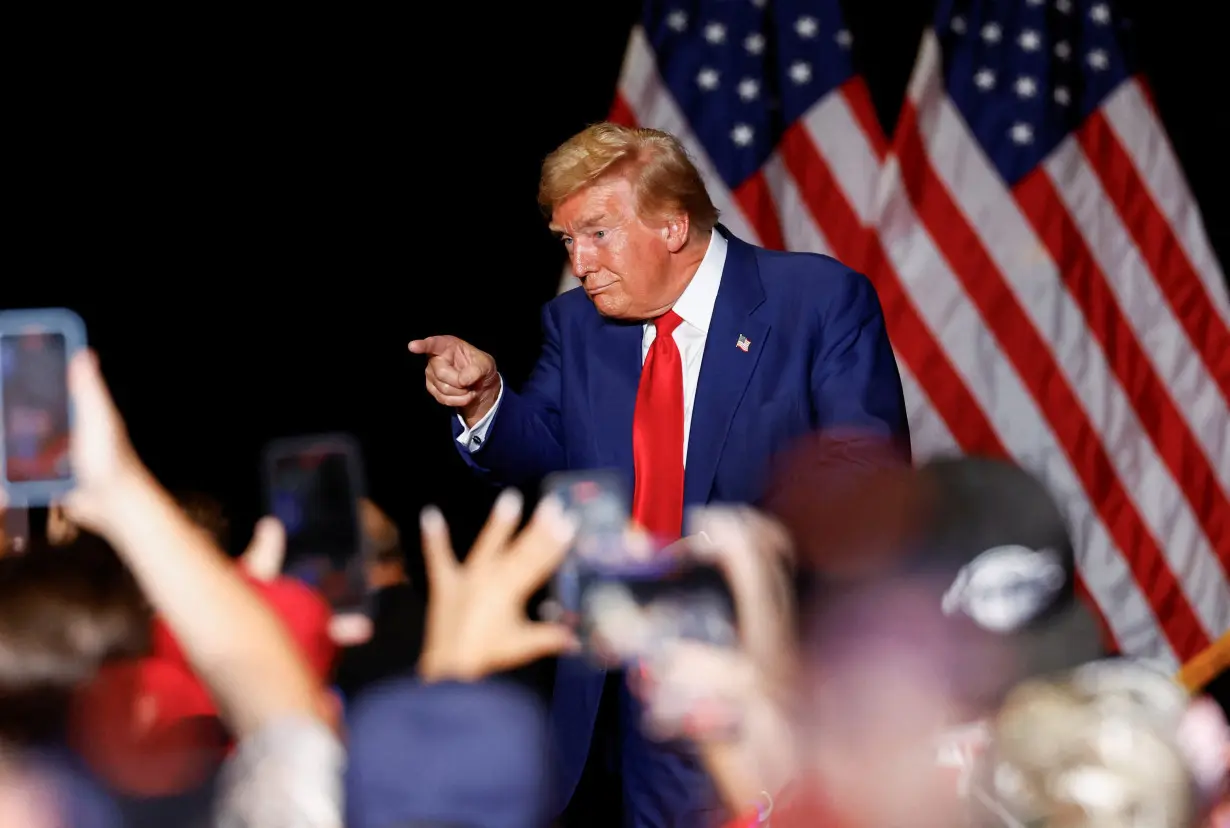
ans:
x=583 y=263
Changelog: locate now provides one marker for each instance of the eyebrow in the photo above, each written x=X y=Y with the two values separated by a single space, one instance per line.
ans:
x=584 y=225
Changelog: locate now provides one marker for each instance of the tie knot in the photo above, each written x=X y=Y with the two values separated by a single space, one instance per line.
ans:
x=667 y=322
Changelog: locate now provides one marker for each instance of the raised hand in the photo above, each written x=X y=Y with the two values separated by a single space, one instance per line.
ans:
x=459 y=375
x=476 y=617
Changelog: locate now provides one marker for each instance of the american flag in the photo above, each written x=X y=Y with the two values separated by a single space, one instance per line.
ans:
x=1034 y=219
x=1049 y=289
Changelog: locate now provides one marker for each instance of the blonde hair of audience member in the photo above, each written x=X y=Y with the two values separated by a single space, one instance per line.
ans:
x=633 y=213
x=1081 y=758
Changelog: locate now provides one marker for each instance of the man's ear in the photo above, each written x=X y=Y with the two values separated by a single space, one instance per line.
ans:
x=675 y=232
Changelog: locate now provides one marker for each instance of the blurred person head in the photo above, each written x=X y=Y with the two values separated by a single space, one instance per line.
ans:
x=385 y=557
x=1099 y=746
x=63 y=613
x=938 y=590
x=877 y=693
x=984 y=539
x=999 y=529
x=633 y=213
x=208 y=513
x=851 y=502
x=477 y=751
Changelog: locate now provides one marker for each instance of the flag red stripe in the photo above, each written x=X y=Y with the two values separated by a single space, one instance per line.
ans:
x=621 y=113
x=756 y=202
x=858 y=97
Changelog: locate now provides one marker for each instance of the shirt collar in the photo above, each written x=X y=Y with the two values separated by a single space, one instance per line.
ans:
x=695 y=305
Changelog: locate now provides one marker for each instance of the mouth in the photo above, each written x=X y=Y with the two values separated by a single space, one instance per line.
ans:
x=596 y=290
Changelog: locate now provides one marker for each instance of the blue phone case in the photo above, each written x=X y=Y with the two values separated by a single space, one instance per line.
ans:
x=69 y=325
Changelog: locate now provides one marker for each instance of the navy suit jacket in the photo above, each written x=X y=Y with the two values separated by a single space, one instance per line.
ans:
x=818 y=358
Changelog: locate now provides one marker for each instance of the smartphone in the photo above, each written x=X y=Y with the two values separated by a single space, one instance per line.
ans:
x=313 y=485
x=626 y=597
x=35 y=408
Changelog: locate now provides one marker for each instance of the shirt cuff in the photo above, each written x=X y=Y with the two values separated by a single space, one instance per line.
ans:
x=474 y=438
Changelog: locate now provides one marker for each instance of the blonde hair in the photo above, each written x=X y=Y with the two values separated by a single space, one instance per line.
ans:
x=1092 y=750
x=665 y=180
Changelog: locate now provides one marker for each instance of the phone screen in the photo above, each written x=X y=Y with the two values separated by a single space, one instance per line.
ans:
x=315 y=493
x=36 y=414
x=625 y=597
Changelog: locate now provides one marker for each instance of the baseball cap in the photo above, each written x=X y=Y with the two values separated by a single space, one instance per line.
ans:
x=998 y=533
x=301 y=609
x=447 y=754
x=150 y=727
x=147 y=727
x=991 y=548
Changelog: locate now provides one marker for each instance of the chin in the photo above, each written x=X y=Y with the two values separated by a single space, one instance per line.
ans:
x=609 y=306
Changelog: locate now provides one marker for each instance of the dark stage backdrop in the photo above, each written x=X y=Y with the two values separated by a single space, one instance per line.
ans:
x=254 y=214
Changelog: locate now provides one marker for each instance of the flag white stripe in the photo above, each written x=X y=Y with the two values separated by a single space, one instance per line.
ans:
x=840 y=140
x=1163 y=339
x=1013 y=412
x=799 y=230
x=929 y=434
x=1135 y=124
x=1030 y=273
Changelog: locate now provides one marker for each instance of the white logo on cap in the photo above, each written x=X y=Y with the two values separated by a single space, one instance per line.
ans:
x=1006 y=587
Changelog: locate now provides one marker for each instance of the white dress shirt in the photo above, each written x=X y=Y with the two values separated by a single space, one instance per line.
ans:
x=695 y=308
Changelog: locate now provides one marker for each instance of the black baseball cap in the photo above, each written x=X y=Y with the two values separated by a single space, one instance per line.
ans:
x=987 y=541
x=999 y=533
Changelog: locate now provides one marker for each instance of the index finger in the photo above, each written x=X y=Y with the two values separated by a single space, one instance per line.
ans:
x=432 y=345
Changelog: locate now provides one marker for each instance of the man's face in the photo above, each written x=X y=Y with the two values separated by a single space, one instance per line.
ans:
x=622 y=261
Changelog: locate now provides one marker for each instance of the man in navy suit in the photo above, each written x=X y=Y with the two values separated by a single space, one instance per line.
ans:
x=687 y=361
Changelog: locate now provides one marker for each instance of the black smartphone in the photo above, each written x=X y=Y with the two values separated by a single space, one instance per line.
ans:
x=625 y=597
x=35 y=406
x=313 y=485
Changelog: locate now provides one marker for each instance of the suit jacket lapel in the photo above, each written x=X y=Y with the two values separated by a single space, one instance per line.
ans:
x=726 y=367
x=614 y=375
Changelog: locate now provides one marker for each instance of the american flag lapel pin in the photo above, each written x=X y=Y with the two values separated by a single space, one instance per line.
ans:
x=743 y=344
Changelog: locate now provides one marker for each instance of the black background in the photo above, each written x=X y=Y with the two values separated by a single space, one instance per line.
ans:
x=255 y=213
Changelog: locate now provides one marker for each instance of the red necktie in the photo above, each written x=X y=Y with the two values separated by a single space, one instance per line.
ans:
x=657 y=436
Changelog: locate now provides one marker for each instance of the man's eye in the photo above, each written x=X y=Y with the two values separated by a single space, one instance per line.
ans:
x=601 y=234
x=566 y=240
